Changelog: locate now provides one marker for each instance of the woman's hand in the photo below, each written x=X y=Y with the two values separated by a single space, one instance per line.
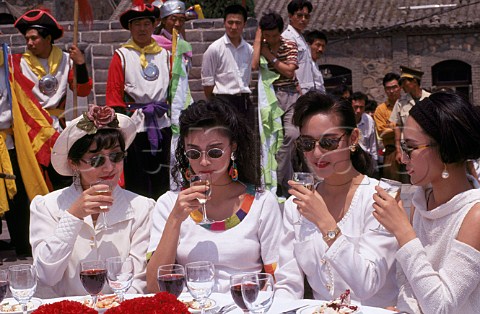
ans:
x=187 y=202
x=391 y=214
x=76 y=55
x=90 y=201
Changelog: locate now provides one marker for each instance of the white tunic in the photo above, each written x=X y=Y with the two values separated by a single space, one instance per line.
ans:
x=360 y=260
x=439 y=274
x=244 y=248
x=60 y=241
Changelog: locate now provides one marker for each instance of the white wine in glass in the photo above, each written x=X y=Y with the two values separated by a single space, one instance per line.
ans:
x=107 y=191
x=307 y=180
x=393 y=188
x=203 y=179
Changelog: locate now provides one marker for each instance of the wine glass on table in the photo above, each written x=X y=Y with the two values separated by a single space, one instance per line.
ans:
x=393 y=188
x=120 y=275
x=23 y=283
x=93 y=275
x=107 y=188
x=171 y=278
x=236 y=291
x=203 y=179
x=307 y=180
x=3 y=284
x=257 y=292
x=200 y=280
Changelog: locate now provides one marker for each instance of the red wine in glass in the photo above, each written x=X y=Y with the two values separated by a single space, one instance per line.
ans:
x=93 y=280
x=3 y=289
x=250 y=291
x=172 y=283
x=236 y=291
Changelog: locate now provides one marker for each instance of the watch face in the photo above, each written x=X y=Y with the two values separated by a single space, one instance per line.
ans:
x=331 y=234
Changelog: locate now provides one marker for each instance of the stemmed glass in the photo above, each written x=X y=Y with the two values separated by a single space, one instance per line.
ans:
x=257 y=292
x=3 y=284
x=171 y=278
x=307 y=180
x=107 y=190
x=205 y=180
x=120 y=275
x=236 y=291
x=393 y=188
x=200 y=281
x=23 y=283
x=93 y=275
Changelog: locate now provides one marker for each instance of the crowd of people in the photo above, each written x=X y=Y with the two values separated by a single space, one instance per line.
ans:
x=150 y=139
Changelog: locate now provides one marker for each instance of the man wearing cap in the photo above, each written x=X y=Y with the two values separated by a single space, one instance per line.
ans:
x=137 y=83
x=172 y=16
x=410 y=80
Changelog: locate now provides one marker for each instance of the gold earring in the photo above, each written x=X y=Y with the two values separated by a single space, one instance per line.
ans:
x=353 y=148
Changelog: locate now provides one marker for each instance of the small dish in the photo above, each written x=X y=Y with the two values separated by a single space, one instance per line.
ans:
x=32 y=305
x=194 y=306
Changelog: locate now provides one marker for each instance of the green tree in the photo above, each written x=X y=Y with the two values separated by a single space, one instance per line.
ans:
x=215 y=8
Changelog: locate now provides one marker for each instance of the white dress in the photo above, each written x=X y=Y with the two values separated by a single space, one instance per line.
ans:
x=437 y=273
x=245 y=247
x=360 y=260
x=60 y=241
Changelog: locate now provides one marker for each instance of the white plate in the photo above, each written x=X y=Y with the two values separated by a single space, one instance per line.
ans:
x=35 y=303
x=312 y=308
x=210 y=302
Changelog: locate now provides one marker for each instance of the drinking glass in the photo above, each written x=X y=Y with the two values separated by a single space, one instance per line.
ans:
x=119 y=274
x=393 y=188
x=236 y=291
x=257 y=292
x=107 y=190
x=23 y=283
x=205 y=180
x=200 y=281
x=171 y=278
x=306 y=179
x=93 y=275
x=3 y=284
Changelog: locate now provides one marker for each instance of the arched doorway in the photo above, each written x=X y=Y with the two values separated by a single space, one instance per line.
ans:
x=453 y=75
x=335 y=75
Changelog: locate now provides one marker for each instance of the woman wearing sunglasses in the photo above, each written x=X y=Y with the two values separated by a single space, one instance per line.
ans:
x=333 y=245
x=439 y=256
x=243 y=236
x=66 y=225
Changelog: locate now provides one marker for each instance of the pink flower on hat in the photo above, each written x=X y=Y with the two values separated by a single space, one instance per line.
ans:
x=98 y=117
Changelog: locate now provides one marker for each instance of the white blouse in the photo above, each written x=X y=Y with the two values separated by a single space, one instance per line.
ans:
x=60 y=241
x=360 y=260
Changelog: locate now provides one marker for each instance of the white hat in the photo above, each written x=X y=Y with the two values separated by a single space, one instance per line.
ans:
x=170 y=7
x=97 y=117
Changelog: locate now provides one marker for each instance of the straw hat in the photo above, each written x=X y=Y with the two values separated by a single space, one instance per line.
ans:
x=97 y=117
x=39 y=19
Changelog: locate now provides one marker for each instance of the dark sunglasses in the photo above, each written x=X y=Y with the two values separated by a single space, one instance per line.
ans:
x=211 y=153
x=307 y=144
x=408 y=150
x=99 y=160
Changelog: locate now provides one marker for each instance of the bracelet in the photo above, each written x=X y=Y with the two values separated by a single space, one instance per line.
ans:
x=274 y=60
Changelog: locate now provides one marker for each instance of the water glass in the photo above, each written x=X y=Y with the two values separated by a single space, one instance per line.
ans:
x=3 y=284
x=257 y=292
x=120 y=275
x=93 y=275
x=200 y=281
x=393 y=188
x=171 y=278
x=23 y=283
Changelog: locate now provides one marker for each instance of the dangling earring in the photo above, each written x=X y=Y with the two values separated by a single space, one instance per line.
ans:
x=353 y=148
x=188 y=173
x=445 y=173
x=233 y=172
x=76 y=177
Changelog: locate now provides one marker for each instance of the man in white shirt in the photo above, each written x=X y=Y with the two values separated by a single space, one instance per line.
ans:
x=317 y=41
x=299 y=16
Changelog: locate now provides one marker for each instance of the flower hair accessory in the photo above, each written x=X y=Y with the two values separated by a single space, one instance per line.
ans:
x=98 y=117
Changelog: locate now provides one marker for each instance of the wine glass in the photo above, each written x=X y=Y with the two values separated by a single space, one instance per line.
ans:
x=393 y=188
x=23 y=283
x=3 y=284
x=205 y=180
x=93 y=275
x=200 y=281
x=120 y=275
x=306 y=179
x=236 y=291
x=107 y=190
x=171 y=278
x=257 y=292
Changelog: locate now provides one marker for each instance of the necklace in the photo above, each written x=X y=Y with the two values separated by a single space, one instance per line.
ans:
x=349 y=181
x=231 y=181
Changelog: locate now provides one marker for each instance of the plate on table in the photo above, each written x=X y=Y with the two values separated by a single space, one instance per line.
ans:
x=194 y=306
x=11 y=306
x=315 y=309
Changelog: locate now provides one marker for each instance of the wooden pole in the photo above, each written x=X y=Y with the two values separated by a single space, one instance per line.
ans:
x=75 y=42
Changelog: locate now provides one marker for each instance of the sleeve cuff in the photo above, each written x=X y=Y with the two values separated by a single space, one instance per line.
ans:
x=208 y=81
x=68 y=228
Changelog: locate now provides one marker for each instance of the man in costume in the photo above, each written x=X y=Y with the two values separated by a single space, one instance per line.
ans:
x=138 y=81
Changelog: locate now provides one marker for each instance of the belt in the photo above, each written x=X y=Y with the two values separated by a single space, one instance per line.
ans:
x=235 y=95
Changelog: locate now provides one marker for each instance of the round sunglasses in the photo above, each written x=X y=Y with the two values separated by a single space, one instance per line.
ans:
x=99 y=160
x=214 y=153
x=307 y=144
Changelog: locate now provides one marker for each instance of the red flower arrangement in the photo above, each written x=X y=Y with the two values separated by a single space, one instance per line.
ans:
x=64 y=307
x=161 y=303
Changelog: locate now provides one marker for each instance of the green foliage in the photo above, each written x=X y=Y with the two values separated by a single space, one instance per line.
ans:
x=215 y=8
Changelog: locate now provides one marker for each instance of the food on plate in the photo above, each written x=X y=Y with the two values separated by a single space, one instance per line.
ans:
x=341 y=305
x=10 y=307
x=103 y=302
x=195 y=305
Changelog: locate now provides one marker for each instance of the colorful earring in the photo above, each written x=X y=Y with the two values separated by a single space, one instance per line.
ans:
x=188 y=173
x=233 y=172
x=445 y=173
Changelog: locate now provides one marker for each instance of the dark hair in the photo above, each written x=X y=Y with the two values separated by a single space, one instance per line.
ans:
x=311 y=36
x=453 y=123
x=370 y=105
x=314 y=102
x=104 y=139
x=217 y=113
x=235 y=9
x=390 y=76
x=271 y=21
x=43 y=32
x=360 y=96
x=340 y=90
x=296 y=5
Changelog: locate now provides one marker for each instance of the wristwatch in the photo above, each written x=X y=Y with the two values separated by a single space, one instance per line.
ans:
x=331 y=234
x=274 y=60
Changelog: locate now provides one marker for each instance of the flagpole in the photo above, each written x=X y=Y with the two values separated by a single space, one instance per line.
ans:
x=75 y=42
